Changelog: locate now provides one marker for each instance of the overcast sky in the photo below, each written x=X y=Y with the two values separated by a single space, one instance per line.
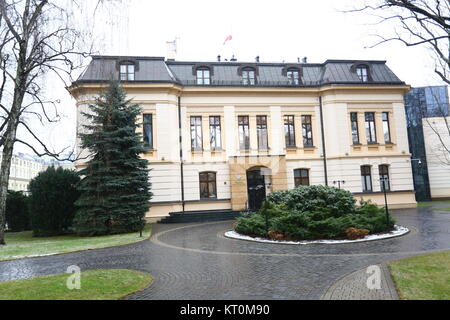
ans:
x=277 y=31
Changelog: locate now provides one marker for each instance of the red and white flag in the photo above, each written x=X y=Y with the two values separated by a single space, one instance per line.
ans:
x=229 y=38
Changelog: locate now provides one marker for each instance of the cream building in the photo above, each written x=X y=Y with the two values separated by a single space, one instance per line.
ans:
x=437 y=145
x=223 y=135
x=26 y=167
x=23 y=169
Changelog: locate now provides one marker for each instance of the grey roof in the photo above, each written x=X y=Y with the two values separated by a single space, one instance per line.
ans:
x=157 y=69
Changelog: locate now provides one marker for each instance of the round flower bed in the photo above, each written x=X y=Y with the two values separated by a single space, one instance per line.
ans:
x=398 y=231
x=315 y=213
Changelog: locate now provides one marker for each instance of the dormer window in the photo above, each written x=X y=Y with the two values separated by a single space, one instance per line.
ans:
x=363 y=73
x=203 y=76
x=293 y=76
x=248 y=77
x=127 y=70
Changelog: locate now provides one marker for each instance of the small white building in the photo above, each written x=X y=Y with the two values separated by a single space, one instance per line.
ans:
x=437 y=145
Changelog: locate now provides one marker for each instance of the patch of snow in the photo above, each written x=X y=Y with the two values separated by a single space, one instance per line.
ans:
x=399 y=231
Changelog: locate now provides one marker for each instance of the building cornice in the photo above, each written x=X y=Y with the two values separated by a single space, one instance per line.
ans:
x=79 y=88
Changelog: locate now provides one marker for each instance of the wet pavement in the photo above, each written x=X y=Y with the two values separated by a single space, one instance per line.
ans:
x=195 y=261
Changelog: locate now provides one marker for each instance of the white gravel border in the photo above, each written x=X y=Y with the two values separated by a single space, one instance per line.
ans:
x=399 y=231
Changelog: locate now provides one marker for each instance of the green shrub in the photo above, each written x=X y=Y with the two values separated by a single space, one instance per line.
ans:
x=273 y=210
x=313 y=213
x=53 y=194
x=17 y=215
x=252 y=224
x=294 y=225
x=315 y=198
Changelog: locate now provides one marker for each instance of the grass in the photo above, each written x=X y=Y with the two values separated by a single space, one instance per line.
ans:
x=424 y=277
x=432 y=203
x=95 y=285
x=23 y=244
x=441 y=209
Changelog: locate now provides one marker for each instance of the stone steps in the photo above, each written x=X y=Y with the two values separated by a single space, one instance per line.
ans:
x=201 y=216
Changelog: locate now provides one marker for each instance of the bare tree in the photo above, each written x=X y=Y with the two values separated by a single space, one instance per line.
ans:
x=416 y=23
x=38 y=38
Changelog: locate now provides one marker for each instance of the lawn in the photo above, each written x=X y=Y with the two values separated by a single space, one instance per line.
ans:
x=424 y=277
x=441 y=209
x=23 y=244
x=95 y=285
x=432 y=203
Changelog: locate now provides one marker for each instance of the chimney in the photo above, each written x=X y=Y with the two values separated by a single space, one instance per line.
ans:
x=257 y=59
x=218 y=58
x=298 y=59
x=305 y=60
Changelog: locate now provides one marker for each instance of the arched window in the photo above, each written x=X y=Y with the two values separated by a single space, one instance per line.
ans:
x=248 y=76
x=208 y=185
x=127 y=70
x=293 y=75
x=301 y=177
x=203 y=75
x=363 y=73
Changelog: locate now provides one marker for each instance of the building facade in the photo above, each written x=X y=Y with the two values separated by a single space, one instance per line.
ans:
x=23 y=169
x=426 y=108
x=437 y=146
x=224 y=135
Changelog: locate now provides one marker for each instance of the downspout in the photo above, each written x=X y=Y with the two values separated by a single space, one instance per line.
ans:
x=183 y=203
x=324 y=149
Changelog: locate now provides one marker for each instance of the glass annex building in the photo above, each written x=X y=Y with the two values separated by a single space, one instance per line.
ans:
x=422 y=103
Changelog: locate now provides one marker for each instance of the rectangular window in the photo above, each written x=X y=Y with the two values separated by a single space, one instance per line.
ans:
x=384 y=177
x=289 y=131
x=208 y=186
x=196 y=134
x=148 y=131
x=261 y=128
x=248 y=77
x=386 y=128
x=371 y=132
x=215 y=133
x=355 y=128
x=203 y=76
x=244 y=134
x=293 y=77
x=362 y=74
x=127 y=72
x=301 y=177
x=366 y=178
x=307 y=131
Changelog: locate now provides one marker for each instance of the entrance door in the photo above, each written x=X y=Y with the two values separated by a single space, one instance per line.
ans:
x=256 y=189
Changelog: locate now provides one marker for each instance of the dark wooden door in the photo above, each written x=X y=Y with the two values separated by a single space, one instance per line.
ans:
x=256 y=189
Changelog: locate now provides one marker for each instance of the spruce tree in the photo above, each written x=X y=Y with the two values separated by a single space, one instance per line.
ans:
x=115 y=189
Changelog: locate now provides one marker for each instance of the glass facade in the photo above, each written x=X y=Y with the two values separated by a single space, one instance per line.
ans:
x=421 y=103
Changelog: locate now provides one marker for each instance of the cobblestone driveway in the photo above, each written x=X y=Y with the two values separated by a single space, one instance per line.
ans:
x=196 y=262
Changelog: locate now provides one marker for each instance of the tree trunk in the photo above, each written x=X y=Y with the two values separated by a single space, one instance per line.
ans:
x=7 y=156
x=4 y=178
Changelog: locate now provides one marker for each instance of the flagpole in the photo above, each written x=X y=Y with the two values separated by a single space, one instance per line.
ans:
x=231 y=32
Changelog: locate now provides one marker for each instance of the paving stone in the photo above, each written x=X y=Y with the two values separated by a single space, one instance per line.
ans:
x=195 y=261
